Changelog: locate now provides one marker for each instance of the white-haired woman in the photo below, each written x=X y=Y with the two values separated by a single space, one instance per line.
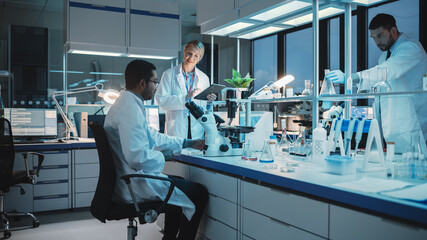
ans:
x=179 y=85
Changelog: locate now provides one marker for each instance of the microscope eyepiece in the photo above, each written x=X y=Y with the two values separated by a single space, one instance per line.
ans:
x=195 y=110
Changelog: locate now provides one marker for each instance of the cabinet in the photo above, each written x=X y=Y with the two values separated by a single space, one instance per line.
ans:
x=53 y=188
x=221 y=216
x=85 y=176
x=148 y=27
x=343 y=222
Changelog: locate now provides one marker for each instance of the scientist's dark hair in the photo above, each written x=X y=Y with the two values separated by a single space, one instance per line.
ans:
x=137 y=70
x=386 y=21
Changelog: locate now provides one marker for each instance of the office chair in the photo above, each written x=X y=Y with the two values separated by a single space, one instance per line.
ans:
x=103 y=208
x=10 y=178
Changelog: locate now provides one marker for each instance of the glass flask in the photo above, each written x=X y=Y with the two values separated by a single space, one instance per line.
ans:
x=284 y=146
x=307 y=91
x=381 y=86
x=266 y=154
x=249 y=153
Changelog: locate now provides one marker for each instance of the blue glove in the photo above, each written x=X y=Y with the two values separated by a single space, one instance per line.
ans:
x=336 y=76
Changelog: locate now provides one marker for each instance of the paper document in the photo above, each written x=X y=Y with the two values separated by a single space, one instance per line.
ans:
x=373 y=185
x=416 y=193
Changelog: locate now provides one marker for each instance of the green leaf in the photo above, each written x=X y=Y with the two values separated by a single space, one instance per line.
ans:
x=236 y=74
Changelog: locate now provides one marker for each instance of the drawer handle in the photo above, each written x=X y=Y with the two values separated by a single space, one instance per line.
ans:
x=279 y=222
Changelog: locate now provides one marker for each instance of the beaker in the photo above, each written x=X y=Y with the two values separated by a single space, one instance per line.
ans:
x=381 y=86
x=266 y=154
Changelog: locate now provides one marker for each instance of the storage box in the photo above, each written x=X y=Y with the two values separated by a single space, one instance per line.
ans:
x=341 y=165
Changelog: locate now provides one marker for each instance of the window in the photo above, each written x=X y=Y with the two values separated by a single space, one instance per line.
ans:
x=299 y=57
x=265 y=61
x=406 y=14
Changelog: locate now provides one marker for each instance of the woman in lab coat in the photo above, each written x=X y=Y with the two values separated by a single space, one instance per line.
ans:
x=405 y=63
x=179 y=85
x=136 y=150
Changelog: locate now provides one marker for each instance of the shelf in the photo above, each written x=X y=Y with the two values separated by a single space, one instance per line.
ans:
x=278 y=100
x=346 y=97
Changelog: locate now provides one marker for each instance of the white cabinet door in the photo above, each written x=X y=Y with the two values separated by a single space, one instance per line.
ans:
x=349 y=224
x=177 y=169
x=208 y=9
x=97 y=22
x=215 y=230
x=261 y=227
x=302 y=212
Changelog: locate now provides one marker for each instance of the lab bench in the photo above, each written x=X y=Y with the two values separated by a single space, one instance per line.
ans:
x=249 y=202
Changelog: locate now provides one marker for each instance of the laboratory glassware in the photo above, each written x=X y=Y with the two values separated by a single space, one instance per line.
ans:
x=266 y=154
x=307 y=91
x=381 y=86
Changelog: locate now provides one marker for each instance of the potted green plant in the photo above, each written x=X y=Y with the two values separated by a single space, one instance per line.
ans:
x=240 y=83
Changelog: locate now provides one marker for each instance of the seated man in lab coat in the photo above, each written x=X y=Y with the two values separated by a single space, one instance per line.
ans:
x=136 y=150
x=405 y=63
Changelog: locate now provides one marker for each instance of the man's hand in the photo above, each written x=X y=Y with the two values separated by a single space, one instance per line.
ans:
x=193 y=93
x=336 y=76
x=198 y=144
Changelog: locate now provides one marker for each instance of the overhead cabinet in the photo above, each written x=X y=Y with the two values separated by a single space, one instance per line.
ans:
x=148 y=27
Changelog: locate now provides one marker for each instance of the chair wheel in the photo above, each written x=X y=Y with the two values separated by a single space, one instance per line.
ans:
x=36 y=223
x=7 y=234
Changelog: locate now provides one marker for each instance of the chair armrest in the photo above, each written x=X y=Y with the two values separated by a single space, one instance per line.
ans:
x=127 y=178
x=40 y=158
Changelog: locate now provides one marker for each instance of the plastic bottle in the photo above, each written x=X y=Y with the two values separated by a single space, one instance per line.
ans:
x=272 y=142
x=319 y=144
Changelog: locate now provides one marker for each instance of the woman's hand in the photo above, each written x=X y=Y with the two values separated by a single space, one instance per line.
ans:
x=211 y=97
x=193 y=93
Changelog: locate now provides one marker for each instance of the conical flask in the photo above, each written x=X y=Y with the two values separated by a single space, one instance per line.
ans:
x=266 y=154
x=284 y=146
x=248 y=152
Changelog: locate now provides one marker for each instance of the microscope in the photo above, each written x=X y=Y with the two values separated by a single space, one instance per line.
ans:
x=220 y=140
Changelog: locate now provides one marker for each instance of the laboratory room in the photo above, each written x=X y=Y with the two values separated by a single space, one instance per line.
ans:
x=216 y=120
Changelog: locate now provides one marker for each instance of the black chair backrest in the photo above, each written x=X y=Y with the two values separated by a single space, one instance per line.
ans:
x=7 y=153
x=101 y=202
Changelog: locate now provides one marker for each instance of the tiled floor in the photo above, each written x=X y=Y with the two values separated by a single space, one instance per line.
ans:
x=81 y=225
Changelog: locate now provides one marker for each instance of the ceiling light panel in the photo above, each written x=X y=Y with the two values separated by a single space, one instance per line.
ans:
x=281 y=10
x=260 y=32
x=231 y=28
x=309 y=17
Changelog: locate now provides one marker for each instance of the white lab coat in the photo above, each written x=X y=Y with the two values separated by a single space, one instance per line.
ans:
x=136 y=150
x=405 y=69
x=170 y=96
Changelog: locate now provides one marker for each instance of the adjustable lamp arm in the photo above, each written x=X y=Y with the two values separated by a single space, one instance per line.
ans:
x=70 y=126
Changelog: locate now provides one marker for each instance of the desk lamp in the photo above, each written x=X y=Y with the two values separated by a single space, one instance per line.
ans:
x=265 y=91
x=109 y=96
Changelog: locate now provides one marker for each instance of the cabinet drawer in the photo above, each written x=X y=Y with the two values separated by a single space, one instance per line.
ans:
x=222 y=210
x=261 y=227
x=86 y=156
x=83 y=199
x=343 y=220
x=298 y=211
x=177 y=169
x=215 y=230
x=86 y=185
x=52 y=158
x=217 y=184
x=55 y=202
x=87 y=170
x=56 y=172
x=51 y=188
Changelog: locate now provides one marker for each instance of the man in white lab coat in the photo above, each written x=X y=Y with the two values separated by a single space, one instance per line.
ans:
x=136 y=150
x=179 y=85
x=405 y=62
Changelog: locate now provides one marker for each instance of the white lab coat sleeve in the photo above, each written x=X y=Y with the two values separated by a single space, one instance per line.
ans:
x=166 y=96
x=406 y=57
x=165 y=142
x=134 y=140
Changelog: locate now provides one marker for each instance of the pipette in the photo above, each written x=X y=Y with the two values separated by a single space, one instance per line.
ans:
x=337 y=132
x=349 y=135
x=330 y=143
x=359 y=132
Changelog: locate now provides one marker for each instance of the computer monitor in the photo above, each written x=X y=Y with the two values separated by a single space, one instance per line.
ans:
x=152 y=115
x=32 y=122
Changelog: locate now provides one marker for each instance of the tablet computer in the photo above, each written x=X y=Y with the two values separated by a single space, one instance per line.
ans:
x=214 y=88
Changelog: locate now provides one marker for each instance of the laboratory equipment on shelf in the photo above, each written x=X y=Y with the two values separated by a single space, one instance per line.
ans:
x=219 y=141
x=307 y=90
x=265 y=92
x=327 y=88
x=381 y=86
